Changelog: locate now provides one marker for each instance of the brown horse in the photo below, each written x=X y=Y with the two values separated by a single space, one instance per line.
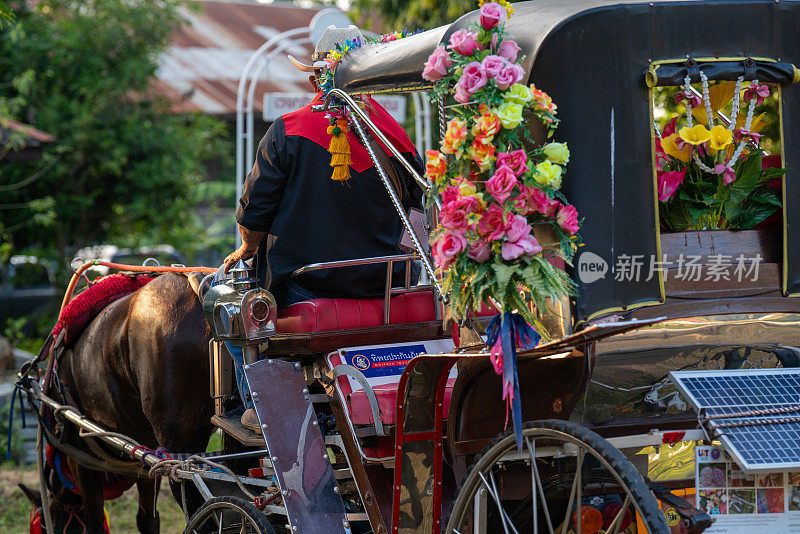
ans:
x=141 y=368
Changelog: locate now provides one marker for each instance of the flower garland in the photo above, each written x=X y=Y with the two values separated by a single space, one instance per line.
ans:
x=339 y=147
x=494 y=185
x=702 y=162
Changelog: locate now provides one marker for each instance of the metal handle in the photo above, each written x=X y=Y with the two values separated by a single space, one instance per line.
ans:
x=358 y=376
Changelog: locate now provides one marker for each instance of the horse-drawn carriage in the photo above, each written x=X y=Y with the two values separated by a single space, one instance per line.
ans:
x=378 y=415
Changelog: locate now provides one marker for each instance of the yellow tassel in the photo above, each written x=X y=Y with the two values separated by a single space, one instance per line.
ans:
x=341 y=173
x=340 y=159
x=339 y=145
x=339 y=149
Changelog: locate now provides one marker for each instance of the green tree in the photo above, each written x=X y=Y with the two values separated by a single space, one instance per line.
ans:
x=122 y=169
x=413 y=14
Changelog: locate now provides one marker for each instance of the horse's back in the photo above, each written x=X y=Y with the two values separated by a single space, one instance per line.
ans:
x=141 y=366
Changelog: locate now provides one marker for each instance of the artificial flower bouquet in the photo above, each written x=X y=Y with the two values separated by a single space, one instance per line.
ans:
x=710 y=172
x=491 y=183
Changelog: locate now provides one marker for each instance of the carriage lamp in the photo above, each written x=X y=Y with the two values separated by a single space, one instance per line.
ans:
x=238 y=310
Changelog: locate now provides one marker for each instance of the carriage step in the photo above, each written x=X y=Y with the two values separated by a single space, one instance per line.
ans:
x=229 y=423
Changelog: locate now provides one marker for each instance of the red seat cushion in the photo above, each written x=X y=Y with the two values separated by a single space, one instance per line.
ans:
x=386 y=394
x=321 y=315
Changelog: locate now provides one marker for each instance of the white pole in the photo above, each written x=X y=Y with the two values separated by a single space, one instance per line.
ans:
x=244 y=152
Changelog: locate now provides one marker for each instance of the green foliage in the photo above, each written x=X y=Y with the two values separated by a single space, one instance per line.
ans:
x=123 y=169
x=5 y=13
x=741 y=205
x=412 y=14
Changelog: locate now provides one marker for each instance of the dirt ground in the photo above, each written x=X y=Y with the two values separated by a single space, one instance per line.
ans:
x=15 y=508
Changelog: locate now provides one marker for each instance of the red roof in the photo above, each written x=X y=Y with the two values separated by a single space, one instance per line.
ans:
x=201 y=68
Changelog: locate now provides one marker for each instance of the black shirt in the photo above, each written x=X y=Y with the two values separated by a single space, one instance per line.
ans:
x=311 y=218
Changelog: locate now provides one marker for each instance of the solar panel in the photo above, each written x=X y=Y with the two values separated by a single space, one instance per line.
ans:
x=755 y=413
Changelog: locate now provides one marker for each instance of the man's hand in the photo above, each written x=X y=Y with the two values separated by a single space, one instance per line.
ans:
x=250 y=242
x=241 y=253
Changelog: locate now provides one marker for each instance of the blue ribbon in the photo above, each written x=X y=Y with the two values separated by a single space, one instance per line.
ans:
x=512 y=331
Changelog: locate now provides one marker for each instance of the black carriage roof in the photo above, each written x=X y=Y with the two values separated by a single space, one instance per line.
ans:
x=592 y=57
x=397 y=66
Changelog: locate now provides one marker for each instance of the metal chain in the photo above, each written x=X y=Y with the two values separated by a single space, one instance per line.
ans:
x=442 y=120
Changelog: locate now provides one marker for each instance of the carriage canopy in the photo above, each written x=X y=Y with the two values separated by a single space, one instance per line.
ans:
x=599 y=61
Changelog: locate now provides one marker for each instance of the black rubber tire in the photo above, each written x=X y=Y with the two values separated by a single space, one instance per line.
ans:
x=258 y=521
x=645 y=503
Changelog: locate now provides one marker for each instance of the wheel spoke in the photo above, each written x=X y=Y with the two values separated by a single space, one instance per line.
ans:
x=496 y=500
x=532 y=451
x=576 y=482
x=539 y=485
x=615 y=524
x=500 y=506
x=219 y=522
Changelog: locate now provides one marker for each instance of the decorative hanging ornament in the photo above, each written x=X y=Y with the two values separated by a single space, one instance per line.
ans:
x=339 y=149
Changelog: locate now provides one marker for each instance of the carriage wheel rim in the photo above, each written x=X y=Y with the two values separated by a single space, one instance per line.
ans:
x=489 y=460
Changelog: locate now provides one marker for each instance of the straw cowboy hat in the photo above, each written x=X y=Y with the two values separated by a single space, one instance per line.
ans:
x=331 y=37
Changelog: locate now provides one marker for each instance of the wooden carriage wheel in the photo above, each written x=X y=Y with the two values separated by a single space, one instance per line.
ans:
x=509 y=491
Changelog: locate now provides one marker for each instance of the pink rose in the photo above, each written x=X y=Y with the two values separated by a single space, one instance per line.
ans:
x=449 y=194
x=464 y=42
x=534 y=200
x=516 y=160
x=567 y=219
x=437 y=64
x=473 y=77
x=519 y=240
x=508 y=76
x=491 y=14
x=447 y=247
x=492 y=65
x=467 y=204
x=493 y=42
x=518 y=228
x=479 y=250
x=509 y=50
x=501 y=183
x=526 y=245
x=668 y=183
x=492 y=225
x=453 y=218
x=461 y=95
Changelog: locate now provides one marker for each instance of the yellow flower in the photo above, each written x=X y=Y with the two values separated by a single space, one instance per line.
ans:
x=466 y=189
x=695 y=136
x=547 y=174
x=720 y=94
x=670 y=146
x=720 y=138
x=700 y=115
x=454 y=138
x=557 y=153
x=756 y=125
x=518 y=94
x=510 y=115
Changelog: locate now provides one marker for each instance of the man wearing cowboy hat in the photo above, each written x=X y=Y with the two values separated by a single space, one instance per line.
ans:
x=292 y=213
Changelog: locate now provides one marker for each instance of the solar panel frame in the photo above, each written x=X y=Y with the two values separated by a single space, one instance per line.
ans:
x=773 y=444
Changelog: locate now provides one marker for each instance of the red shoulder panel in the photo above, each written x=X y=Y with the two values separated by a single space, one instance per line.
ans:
x=313 y=126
